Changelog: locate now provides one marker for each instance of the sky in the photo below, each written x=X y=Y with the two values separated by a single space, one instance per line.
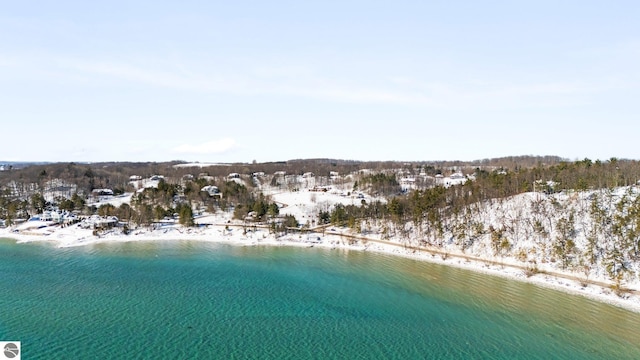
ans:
x=243 y=81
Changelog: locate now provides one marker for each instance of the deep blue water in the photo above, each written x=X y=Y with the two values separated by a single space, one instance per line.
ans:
x=185 y=300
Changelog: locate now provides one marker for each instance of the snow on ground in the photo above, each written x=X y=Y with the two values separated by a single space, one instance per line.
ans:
x=113 y=200
x=306 y=204
x=33 y=225
x=199 y=164
x=216 y=218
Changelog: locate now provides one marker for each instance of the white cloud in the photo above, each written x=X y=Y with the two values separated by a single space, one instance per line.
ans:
x=288 y=81
x=299 y=81
x=169 y=79
x=211 y=147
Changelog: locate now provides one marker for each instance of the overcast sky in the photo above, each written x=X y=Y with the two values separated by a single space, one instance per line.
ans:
x=228 y=81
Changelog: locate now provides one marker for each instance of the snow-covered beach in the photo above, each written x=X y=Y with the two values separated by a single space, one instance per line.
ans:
x=221 y=230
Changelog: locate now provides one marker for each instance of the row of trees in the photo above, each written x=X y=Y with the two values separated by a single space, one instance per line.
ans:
x=379 y=183
x=428 y=205
x=259 y=207
x=145 y=214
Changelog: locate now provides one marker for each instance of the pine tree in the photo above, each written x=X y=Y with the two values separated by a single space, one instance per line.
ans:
x=186 y=215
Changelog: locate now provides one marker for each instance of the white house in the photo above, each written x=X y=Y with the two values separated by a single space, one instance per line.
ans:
x=96 y=221
x=407 y=183
x=102 y=192
x=206 y=177
x=212 y=190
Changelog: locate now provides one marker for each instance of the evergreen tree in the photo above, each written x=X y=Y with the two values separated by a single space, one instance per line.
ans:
x=185 y=214
x=38 y=203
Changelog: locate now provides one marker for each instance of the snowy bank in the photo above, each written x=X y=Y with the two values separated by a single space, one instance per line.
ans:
x=234 y=234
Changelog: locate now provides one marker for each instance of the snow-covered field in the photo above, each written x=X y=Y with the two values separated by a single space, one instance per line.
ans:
x=305 y=204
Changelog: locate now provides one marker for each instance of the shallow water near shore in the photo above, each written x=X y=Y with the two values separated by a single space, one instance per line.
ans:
x=183 y=299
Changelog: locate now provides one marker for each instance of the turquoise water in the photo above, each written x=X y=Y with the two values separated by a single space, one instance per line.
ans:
x=184 y=300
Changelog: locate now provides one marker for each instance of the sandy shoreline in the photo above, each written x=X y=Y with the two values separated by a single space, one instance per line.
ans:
x=569 y=283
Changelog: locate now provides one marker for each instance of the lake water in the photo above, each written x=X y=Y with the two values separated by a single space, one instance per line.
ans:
x=188 y=300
